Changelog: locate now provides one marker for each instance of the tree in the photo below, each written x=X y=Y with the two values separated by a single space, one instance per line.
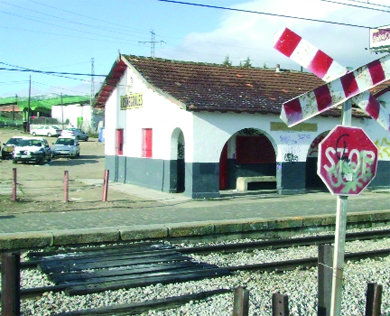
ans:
x=247 y=63
x=227 y=62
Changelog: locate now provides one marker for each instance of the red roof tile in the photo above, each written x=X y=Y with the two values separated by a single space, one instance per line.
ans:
x=213 y=87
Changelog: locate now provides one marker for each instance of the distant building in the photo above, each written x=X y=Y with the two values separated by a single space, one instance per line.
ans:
x=197 y=128
x=78 y=115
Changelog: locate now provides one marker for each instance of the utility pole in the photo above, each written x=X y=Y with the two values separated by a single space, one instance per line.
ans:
x=62 y=112
x=152 y=43
x=92 y=81
x=29 y=107
x=13 y=107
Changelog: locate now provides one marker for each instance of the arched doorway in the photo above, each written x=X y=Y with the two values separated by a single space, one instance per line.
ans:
x=313 y=181
x=177 y=178
x=248 y=153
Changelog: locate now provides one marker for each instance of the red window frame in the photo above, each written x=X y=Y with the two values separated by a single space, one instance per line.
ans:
x=119 y=141
x=147 y=142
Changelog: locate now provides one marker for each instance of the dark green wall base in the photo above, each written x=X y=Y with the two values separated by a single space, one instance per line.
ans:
x=382 y=178
x=204 y=182
x=291 y=177
x=166 y=176
x=201 y=180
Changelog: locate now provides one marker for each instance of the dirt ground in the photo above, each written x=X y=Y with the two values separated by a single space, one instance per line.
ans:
x=41 y=187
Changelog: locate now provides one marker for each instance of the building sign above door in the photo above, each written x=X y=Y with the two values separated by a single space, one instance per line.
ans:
x=131 y=101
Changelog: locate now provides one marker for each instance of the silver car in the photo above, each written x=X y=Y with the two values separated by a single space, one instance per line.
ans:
x=66 y=147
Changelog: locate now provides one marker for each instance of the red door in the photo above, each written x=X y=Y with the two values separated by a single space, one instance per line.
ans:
x=223 y=179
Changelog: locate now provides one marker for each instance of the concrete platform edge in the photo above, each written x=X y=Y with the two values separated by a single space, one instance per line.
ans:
x=42 y=239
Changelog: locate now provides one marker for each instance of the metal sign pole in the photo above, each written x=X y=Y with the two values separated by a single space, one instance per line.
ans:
x=338 y=256
x=340 y=231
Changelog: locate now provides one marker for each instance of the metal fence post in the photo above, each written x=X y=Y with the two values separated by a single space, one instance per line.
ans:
x=14 y=184
x=325 y=261
x=374 y=299
x=241 y=302
x=66 y=186
x=280 y=305
x=10 y=284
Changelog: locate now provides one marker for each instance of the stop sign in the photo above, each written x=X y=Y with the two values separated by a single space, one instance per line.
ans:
x=347 y=160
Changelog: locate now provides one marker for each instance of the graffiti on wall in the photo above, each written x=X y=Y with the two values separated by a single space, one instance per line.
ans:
x=290 y=157
x=294 y=143
x=294 y=139
x=383 y=148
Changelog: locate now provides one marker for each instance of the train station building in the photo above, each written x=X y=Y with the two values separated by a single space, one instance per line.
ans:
x=201 y=128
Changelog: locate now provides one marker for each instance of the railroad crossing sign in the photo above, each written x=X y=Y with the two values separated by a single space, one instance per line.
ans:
x=341 y=87
x=347 y=160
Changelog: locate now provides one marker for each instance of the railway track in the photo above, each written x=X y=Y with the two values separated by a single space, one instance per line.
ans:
x=90 y=270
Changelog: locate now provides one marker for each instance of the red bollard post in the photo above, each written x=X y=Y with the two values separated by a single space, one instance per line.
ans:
x=66 y=186
x=105 y=185
x=14 y=184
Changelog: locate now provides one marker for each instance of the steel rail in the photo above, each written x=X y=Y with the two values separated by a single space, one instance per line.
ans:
x=264 y=244
x=261 y=267
x=285 y=243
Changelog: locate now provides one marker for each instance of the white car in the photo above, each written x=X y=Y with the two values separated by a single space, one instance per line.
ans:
x=45 y=130
x=32 y=149
x=66 y=147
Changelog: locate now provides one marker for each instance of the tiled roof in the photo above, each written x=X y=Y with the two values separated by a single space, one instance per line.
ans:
x=213 y=87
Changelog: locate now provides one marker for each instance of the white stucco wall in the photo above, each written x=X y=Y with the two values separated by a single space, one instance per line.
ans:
x=158 y=112
x=205 y=133
x=217 y=128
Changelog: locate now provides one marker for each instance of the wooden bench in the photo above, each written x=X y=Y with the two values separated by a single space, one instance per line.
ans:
x=242 y=182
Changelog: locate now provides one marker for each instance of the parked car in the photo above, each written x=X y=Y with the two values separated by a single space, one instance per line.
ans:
x=32 y=149
x=66 y=147
x=8 y=147
x=45 y=130
x=76 y=132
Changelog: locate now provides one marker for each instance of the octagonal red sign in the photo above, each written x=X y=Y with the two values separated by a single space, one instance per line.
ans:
x=347 y=160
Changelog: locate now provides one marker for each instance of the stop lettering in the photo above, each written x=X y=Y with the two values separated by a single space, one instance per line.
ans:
x=347 y=160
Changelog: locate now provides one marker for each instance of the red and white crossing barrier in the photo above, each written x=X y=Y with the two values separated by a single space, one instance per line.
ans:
x=325 y=97
x=373 y=108
x=305 y=54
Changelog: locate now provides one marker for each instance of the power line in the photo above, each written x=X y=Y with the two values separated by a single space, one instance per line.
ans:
x=135 y=30
x=356 y=6
x=371 y=3
x=40 y=20
x=50 y=72
x=202 y=5
x=60 y=19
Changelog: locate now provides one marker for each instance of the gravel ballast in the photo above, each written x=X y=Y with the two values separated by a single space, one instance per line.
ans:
x=300 y=285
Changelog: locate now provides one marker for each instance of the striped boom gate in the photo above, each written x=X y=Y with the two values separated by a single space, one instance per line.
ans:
x=342 y=85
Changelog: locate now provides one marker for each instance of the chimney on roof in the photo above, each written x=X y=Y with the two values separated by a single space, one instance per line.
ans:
x=277 y=69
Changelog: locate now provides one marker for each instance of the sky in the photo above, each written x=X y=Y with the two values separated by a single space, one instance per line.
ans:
x=75 y=36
